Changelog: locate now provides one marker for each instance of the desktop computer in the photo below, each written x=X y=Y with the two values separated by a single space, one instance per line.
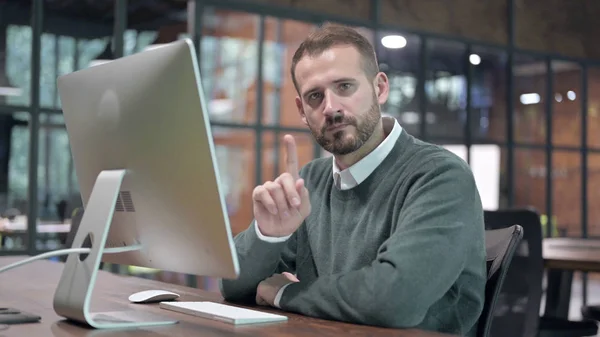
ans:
x=145 y=161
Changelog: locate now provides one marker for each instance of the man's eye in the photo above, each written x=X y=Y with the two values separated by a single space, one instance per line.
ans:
x=314 y=96
x=345 y=86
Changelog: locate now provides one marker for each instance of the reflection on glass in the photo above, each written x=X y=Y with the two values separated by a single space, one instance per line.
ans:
x=593 y=194
x=593 y=112
x=58 y=190
x=57 y=186
x=14 y=180
x=485 y=162
x=66 y=50
x=488 y=94
x=566 y=108
x=236 y=159
x=229 y=54
x=446 y=89
x=530 y=99
x=530 y=179
x=282 y=38
x=160 y=23
x=57 y=58
x=566 y=192
x=275 y=152
x=15 y=63
x=398 y=57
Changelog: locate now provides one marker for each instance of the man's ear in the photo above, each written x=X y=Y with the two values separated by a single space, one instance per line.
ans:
x=382 y=87
x=301 y=110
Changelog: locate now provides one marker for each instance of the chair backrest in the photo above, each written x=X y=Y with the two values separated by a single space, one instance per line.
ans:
x=500 y=247
x=517 y=310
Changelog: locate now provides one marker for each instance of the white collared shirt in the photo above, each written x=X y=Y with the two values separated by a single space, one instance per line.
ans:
x=357 y=173
x=353 y=175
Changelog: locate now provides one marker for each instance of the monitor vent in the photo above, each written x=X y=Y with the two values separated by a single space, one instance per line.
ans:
x=119 y=206
x=124 y=202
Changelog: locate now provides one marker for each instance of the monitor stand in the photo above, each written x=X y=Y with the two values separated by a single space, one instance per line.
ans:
x=76 y=285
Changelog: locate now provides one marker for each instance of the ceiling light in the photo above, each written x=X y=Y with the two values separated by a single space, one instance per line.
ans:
x=474 y=59
x=558 y=97
x=531 y=98
x=393 y=41
x=571 y=95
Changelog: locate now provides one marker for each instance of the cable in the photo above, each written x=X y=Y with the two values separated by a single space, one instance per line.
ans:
x=68 y=251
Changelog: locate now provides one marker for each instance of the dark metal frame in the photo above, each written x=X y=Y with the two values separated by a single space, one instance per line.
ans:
x=549 y=141
x=37 y=21
x=510 y=105
x=374 y=22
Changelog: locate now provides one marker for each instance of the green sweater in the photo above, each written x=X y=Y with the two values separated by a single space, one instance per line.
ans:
x=405 y=248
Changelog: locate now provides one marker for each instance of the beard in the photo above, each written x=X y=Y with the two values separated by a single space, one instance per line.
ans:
x=343 y=142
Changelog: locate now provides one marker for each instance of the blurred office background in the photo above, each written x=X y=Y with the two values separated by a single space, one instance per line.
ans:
x=513 y=86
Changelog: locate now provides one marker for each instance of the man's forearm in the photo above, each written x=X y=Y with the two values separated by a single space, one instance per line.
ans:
x=258 y=259
x=349 y=298
x=386 y=293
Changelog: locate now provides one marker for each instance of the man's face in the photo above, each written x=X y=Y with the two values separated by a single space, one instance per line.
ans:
x=337 y=101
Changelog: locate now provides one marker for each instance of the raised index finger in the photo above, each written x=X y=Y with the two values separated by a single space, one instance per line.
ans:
x=291 y=156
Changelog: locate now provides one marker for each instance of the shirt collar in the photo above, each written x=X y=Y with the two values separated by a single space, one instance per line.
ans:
x=358 y=172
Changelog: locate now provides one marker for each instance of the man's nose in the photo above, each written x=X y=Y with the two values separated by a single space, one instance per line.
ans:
x=332 y=105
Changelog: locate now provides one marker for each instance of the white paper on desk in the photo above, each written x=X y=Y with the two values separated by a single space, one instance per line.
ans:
x=222 y=312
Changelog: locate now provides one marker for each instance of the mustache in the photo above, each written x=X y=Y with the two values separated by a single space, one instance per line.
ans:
x=338 y=120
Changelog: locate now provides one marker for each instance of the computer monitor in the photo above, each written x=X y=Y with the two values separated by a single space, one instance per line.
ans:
x=145 y=161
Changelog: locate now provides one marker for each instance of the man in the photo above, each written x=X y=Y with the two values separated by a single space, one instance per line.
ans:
x=388 y=233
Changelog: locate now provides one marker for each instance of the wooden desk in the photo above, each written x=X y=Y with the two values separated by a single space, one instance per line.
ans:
x=46 y=231
x=572 y=254
x=8 y=227
x=31 y=288
x=563 y=257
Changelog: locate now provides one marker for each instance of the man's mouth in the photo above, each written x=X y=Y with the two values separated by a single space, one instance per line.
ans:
x=337 y=127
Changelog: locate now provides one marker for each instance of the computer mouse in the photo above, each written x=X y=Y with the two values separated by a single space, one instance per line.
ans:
x=152 y=296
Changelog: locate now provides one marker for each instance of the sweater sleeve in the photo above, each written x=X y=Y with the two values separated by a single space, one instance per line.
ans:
x=439 y=224
x=258 y=260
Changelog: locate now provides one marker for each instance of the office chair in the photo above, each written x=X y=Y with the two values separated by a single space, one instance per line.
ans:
x=500 y=246
x=517 y=311
x=591 y=312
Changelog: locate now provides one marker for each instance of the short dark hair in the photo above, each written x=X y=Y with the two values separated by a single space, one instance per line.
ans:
x=330 y=35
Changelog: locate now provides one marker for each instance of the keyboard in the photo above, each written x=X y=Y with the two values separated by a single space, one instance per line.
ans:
x=222 y=312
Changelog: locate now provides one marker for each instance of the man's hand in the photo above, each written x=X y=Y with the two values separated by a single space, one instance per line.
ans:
x=280 y=206
x=267 y=290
